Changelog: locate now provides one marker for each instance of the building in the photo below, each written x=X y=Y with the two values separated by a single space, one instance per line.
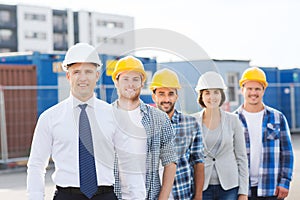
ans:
x=8 y=29
x=34 y=28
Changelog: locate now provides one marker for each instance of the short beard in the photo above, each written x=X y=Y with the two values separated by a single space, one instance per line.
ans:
x=167 y=111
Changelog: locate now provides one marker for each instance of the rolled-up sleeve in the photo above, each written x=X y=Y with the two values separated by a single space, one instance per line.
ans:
x=168 y=153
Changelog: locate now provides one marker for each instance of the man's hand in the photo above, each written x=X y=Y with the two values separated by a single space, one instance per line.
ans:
x=242 y=197
x=281 y=192
x=198 y=198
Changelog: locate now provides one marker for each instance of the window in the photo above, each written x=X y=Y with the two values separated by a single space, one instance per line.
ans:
x=58 y=38
x=60 y=41
x=110 y=24
x=58 y=22
x=35 y=35
x=110 y=40
x=34 y=17
x=4 y=50
x=4 y=16
x=5 y=35
x=232 y=87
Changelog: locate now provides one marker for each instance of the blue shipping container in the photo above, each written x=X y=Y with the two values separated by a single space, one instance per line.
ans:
x=290 y=90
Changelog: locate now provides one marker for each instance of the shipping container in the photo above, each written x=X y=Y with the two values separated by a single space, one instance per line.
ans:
x=272 y=95
x=20 y=108
x=46 y=75
x=290 y=90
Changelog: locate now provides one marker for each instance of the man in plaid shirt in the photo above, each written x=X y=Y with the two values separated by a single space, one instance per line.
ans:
x=189 y=179
x=268 y=140
x=143 y=139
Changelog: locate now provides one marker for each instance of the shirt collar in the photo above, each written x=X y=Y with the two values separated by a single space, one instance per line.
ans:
x=241 y=108
x=143 y=106
x=77 y=102
x=176 y=117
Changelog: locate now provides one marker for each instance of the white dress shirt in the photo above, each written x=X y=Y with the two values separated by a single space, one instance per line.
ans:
x=56 y=135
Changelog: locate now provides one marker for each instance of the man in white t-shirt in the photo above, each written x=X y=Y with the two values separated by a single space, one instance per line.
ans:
x=268 y=140
x=144 y=138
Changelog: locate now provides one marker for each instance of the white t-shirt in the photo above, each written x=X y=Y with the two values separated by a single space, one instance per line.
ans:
x=131 y=144
x=254 y=123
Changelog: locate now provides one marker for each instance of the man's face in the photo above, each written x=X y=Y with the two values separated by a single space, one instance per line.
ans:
x=129 y=85
x=165 y=99
x=82 y=78
x=253 y=93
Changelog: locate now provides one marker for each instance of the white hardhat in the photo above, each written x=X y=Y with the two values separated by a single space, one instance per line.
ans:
x=81 y=53
x=210 y=80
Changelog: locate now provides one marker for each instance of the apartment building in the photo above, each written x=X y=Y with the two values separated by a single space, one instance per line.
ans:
x=32 y=28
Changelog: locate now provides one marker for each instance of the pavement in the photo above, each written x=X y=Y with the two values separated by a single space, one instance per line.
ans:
x=13 y=181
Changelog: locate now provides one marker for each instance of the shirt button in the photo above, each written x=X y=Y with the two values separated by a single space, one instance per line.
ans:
x=214 y=159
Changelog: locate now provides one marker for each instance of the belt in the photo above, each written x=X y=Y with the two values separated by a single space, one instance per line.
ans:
x=76 y=190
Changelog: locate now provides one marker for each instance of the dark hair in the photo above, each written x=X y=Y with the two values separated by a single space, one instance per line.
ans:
x=200 y=100
x=154 y=90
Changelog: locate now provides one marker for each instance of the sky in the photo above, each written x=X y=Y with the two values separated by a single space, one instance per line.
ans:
x=266 y=32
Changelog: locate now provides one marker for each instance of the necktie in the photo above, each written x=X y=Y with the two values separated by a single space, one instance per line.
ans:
x=87 y=168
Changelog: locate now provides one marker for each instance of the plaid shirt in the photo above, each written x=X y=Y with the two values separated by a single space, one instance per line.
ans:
x=160 y=146
x=277 y=159
x=188 y=145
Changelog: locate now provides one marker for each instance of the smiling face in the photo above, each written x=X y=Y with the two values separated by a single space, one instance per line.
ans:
x=82 y=78
x=212 y=98
x=129 y=85
x=165 y=99
x=253 y=93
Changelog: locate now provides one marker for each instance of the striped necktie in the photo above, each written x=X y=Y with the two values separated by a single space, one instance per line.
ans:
x=87 y=168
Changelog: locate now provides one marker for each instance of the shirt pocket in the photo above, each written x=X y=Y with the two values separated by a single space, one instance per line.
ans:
x=273 y=131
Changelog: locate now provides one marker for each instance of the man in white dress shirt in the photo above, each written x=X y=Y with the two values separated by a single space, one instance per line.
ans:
x=57 y=135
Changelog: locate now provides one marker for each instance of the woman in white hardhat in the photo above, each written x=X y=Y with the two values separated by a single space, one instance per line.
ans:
x=226 y=166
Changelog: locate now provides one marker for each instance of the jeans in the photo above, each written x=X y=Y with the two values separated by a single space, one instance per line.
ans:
x=216 y=192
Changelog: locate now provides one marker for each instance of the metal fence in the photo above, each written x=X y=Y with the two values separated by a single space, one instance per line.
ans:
x=20 y=107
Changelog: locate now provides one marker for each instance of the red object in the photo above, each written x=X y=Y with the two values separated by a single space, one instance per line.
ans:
x=20 y=107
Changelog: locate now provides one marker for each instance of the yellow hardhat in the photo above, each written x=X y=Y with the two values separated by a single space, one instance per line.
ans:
x=129 y=63
x=164 y=78
x=254 y=74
